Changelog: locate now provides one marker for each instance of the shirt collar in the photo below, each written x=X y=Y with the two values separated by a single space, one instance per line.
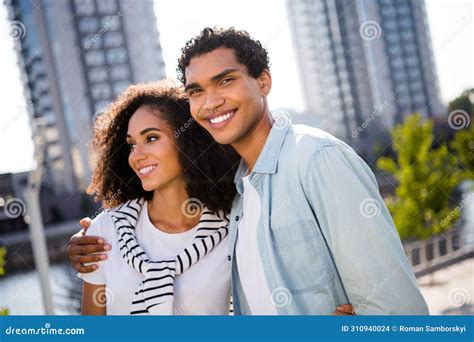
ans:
x=268 y=159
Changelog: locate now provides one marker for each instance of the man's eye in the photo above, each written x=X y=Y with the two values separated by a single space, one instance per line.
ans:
x=193 y=92
x=226 y=80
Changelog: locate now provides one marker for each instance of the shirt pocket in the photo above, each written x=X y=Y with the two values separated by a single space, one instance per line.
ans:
x=302 y=256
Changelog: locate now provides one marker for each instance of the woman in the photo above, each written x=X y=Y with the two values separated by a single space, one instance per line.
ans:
x=167 y=186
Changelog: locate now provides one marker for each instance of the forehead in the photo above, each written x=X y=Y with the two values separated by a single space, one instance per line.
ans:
x=205 y=66
x=144 y=117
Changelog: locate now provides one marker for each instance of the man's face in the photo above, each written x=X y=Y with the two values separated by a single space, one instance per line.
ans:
x=223 y=97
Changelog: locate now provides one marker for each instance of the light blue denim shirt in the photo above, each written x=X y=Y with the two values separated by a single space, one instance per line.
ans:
x=325 y=236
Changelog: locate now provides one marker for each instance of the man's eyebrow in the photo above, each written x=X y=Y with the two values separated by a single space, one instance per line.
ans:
x=213 y=78
x=146 y=130
x=223 y=73
x=191 y=86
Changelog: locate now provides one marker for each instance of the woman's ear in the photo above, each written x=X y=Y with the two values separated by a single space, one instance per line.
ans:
x=265 y=82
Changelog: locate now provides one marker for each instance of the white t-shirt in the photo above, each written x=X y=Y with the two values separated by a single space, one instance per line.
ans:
x=204 y=289
x=249 y=263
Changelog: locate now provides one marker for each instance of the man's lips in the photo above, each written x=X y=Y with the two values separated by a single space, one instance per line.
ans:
x=221 y=118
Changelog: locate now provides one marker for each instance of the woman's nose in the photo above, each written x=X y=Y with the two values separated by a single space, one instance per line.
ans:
x=138 y=153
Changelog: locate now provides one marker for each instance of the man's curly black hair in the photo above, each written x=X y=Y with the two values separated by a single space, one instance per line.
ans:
x=249 y=52
x=208 y=167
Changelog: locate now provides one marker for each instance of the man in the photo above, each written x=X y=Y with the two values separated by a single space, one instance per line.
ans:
x=309 y=229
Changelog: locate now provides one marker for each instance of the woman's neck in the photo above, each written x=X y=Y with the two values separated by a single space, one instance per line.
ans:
x=167 y=210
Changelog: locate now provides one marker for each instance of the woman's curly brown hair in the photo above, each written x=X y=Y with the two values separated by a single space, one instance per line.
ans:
x=208 y=167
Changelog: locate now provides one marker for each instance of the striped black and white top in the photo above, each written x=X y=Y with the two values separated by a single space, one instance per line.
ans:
x=156 y=292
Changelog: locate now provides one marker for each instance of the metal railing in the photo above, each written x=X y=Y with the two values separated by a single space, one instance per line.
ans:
x=438 y=251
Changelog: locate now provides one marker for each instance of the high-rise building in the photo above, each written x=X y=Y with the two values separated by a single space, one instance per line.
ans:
x=364 y=62
x=76 y=56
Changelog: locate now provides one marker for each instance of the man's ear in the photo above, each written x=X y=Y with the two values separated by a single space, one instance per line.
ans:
x=265 y=82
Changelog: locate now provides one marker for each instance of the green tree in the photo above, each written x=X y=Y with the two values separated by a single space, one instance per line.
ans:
x=463 y=146
x=3 y=252
x=426 y=179
x=463 y=102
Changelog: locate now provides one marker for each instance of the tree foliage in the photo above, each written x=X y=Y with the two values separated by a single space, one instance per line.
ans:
x=426 y=178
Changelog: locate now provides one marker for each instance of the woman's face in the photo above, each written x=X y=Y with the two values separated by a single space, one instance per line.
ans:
x=153 y=151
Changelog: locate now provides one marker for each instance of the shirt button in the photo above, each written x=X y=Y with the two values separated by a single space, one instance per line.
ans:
x=228 y=257
x=236 y=218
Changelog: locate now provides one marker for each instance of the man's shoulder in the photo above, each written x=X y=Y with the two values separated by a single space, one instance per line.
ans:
x=311 y=140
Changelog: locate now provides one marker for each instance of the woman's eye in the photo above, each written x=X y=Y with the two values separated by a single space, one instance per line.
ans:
x=151 y=138
x=131 y=146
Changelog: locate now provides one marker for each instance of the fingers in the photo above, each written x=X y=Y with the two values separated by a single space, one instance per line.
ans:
x=84 y=269
x=87 y=253
x=85 y=222
x=86 y=240
x=84 y=259
x=86 y=249
x=345 y=308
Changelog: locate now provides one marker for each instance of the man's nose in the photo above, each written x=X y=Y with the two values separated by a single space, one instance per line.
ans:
x=213 y=101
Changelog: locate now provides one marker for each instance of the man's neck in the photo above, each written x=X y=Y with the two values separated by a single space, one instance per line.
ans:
x=250 y=146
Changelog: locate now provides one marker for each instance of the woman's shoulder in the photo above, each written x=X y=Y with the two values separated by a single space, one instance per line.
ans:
x=102 y=225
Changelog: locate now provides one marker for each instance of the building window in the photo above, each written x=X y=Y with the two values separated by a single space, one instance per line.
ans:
x=111 y=23
x=98 y=75
x=95 y=58
x=113 y=39
x=91 y=41
x=101 y=91
x=119 y=87
x=107 y=6
x=119 y=72
x=116 y=56
x=84 y=7
x=88 y=25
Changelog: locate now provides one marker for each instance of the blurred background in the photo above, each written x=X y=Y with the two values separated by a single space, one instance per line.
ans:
x=392 y=78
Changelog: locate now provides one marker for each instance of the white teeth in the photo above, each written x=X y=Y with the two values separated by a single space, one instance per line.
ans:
x=221 y=118
x=145 y=170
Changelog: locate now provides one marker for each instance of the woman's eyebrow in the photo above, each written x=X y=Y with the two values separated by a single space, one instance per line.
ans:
x=146 y=130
